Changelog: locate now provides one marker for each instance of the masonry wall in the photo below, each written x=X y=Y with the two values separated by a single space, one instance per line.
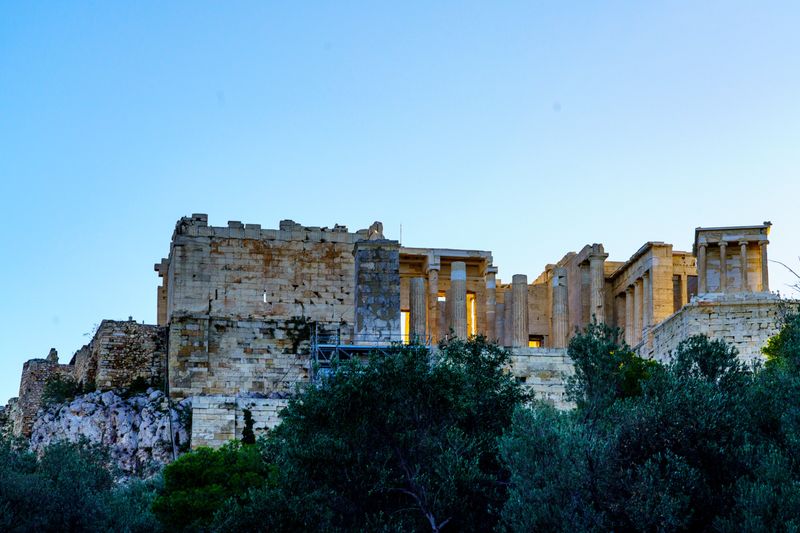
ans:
x=544 y=371
x=746 y=321
x=35 y=374
x=218 y=419
x=228 y=356
x=245 y=271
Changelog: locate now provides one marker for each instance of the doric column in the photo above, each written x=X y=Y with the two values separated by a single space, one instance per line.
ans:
x=596 y=286
x=745 y=286
x=458 y=292
x=500 y=323
x=417 y=304
x=491 y=302
x=764 y=267
x=519 y=316
x=723 y=266
x=684 y=290
x=433 y=303
x=701 y=268
x=637 y=311
x=629 y=327
x=509 y=298
x=647 y=303
x=559 y=313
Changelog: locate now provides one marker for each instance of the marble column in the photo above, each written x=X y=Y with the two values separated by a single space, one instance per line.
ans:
x=443 y=322
x=723 y=266
x=500 y=323
x=491 y=302
x=629 y=315
x=764 y=267
x=647 y=304
x=559 y=313
x=509 y=297
x=637 y=311
x=596 y=287
x=744 y=285
x=701 y=269
x=458 y=292
x=417 y=304
x=684 y=290
x=519 y=315
x=433 y=304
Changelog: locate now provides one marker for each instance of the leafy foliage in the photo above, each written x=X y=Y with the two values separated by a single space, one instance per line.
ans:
x=400 y=442
x=59 y=389
x=70 y=488
x=248 y=435
x=702 y=443
x=197 y=484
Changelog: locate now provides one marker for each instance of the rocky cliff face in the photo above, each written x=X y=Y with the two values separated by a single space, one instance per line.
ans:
x=136 y=429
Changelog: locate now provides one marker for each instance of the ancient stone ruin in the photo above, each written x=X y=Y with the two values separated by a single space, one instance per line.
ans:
x=247 y=315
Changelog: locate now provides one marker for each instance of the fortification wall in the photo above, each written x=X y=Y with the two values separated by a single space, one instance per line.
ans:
x=35 y=374
x=227 y=356
x=744 y=320
x=218 y=419
x=245 y=271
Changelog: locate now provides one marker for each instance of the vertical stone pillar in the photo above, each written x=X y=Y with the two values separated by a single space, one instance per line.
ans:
x=519 y=316
x=629 y=327
x=443 y=322
x=637 y=311
x=500 y=323
x=723 y=266
x=764 y=267
x=458 y=292
x=491 y=302
x=684 y=290
x=647 y=304
x=744 y=285
x=417 y=305
x=596 y=287
x=560 y=316
x=507 y=325
x=701 y=269
x=433 y=303
x=377 y=294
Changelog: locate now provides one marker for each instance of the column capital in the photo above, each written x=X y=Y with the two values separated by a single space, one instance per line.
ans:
x=743 y=243
x=763 y=243
x=722 y=244
x=596 y=256
x=491 y=270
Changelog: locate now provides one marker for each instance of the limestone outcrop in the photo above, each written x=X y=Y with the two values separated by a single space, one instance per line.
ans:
x=136 y=429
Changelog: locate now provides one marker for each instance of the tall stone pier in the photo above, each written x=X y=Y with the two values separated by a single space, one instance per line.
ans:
x=458 y=298
x=491 y=303
x=377 y=291
x=519 y=314
x=508 y=309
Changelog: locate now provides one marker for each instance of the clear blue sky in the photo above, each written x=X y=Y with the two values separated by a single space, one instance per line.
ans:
x=528 y=129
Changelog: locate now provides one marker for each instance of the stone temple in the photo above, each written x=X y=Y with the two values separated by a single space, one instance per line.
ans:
x=246 y=314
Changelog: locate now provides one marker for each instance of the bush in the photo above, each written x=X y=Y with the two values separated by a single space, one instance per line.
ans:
x=59 y=389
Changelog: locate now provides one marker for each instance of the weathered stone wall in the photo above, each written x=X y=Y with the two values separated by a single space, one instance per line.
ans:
x=544 y=371
x=245 y=271
x=126 y=351
x=219 y=356
x=744 y=320
x=218 y=419
x=35 y=374
x=377 y=286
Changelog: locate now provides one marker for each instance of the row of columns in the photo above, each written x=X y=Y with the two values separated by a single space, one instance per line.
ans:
x=702 y=266
x=508 y=321
x=638 y=309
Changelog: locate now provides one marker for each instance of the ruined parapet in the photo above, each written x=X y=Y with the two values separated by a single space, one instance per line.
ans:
x=377 y=291
x=35 y=375
x=744 y=320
